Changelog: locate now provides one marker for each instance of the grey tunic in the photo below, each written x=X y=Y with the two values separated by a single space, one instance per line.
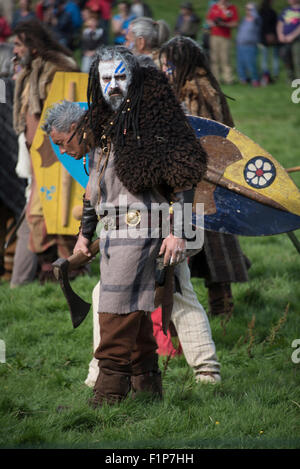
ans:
x=128 y=254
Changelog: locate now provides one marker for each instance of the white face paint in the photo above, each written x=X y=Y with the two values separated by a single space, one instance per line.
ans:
x=114 y=81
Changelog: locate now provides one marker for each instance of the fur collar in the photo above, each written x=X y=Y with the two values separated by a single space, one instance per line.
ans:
x=169 y=153
x=202 y=96
x=32 y=87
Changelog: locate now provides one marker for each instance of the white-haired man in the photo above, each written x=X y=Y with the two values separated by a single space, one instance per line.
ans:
x=145 y=36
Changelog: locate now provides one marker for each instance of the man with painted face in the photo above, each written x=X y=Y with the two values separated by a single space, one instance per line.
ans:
x=145 y=154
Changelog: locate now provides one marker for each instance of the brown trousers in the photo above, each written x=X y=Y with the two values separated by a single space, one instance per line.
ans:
x=127 y=344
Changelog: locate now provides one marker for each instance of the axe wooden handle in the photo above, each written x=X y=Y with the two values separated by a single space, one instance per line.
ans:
x=79 y=259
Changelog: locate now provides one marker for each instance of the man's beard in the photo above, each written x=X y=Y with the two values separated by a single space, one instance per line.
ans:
x=115 y=102
x=26 y=59
x=115 y=99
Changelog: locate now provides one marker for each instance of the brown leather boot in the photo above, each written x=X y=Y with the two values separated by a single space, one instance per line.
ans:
x=149 y=383
x=220 y=299
x=110 y=387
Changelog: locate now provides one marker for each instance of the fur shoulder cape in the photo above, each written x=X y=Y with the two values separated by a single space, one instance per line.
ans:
x=169 y=152
x=36 y=81
x=202 y=96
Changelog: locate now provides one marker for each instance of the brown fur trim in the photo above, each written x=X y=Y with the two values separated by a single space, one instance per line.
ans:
x=204 y=98
x=36 y=80
x=169 y=153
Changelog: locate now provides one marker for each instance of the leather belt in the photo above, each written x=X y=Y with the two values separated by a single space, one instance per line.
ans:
x=131 y=218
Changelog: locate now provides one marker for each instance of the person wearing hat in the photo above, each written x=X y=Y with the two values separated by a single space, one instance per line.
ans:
x=187 y=23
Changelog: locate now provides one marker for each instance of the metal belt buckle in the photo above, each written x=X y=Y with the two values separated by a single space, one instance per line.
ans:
x=133 y=217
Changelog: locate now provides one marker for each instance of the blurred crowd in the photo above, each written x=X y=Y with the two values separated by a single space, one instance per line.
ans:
x=261 y=36
x=255 y=41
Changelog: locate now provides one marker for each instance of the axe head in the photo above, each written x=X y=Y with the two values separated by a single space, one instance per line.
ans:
x=77 y=306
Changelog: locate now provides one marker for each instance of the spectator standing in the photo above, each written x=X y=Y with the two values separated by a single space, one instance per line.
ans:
x=121 y=22
x=288 y=30
x=42 y=7
x=187 y=23
x=269 y=43
x=39 y=10
x=61 y=24
x=5 y=30
x=222 y=18
x=8 y=8
x=248 y=37
x=89 y=9
x=12 y=188
x=44 y=11
x=92 y=38
x=139 y=9
x=73 y=9
x=103 y=8
x=206 y=29
x=23 y=13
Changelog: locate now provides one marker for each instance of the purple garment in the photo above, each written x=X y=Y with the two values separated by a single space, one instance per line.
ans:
x=290 y=17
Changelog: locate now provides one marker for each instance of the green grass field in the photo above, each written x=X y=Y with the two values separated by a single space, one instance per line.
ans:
x=43 y=398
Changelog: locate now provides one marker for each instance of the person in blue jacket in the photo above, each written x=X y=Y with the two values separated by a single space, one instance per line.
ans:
x=74 y=10
x=120 y=22
x=247 y=39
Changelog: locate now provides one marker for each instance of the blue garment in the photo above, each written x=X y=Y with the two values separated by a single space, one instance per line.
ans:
x=121 y=39
x=247 y=62
x=268 y=53
x=74 y=10
x=64 y=30
x=187 y=28
x=249 y=32
x=17 y=18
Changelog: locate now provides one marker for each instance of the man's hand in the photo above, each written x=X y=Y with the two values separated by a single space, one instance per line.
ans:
x=82 y=245
x=173 y=249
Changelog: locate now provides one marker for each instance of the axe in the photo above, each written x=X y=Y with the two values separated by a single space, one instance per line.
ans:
x=61 y=267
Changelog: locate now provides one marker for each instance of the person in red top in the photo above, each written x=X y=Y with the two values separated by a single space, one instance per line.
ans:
x=5 y=30
x=222 y=17
x=103 y=7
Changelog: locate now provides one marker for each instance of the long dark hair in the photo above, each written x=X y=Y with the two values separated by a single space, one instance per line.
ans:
x=36 y=36
x=186 y=56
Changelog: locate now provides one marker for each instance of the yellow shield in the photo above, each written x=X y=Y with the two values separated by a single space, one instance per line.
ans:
x=59 y=192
